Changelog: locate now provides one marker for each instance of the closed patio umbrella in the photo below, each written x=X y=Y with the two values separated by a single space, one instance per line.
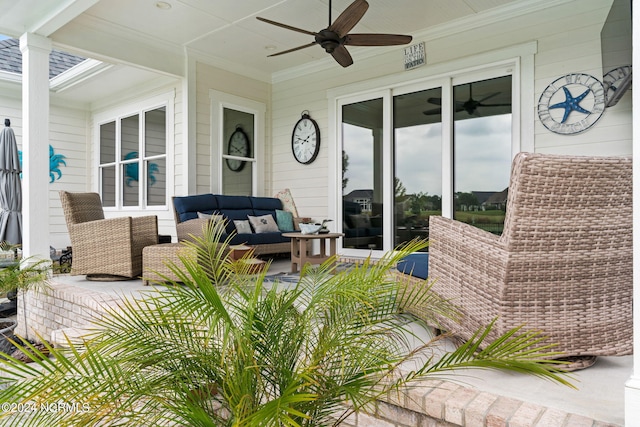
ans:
x=10 y=187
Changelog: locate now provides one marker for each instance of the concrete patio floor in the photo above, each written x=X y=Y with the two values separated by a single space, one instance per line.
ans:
x=599 y=397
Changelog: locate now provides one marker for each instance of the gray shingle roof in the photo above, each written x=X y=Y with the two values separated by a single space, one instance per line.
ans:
x=359 y=194
x=11 y=59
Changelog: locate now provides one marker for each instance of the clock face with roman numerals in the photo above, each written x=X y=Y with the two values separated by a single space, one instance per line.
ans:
x=239 y=147
x=305 y=140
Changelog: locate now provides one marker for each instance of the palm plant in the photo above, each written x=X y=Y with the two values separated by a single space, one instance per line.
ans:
x=225 y=349
x=19 y=275
x=23 y=274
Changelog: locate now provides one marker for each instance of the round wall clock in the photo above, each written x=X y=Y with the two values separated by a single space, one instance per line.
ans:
x=571 y=104
x=239 y=147
x=305 y=139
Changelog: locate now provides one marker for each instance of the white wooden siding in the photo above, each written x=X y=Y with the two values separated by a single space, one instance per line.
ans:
x=208 y=78
x=69 y=137
x=568 y=40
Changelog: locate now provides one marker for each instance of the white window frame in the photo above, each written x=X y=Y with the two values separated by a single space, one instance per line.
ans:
x=517 y=61
x=165 y=100
x=220 y=101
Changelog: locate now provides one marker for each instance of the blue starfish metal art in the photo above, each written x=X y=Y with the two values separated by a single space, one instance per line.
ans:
x=571 y=104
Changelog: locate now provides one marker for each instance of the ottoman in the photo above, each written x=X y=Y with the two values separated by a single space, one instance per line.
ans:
x=156 y=257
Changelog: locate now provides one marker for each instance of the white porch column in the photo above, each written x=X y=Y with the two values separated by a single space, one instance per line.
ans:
x=35 y=145
x=189 y=134
x=632 y=390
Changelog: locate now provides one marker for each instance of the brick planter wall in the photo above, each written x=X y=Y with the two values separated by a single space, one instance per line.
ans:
x=427 y=404
x=61 y=306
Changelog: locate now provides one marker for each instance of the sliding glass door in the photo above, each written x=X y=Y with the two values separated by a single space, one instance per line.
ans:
x=482 y=152
x=408 y=154
x=362 y=175
x=417 y=154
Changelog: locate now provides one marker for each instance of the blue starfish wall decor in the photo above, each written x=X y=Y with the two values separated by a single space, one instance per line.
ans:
x=575 y=117
x=571 y=104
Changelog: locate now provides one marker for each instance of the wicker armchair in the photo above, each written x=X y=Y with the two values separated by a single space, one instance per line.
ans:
x=563 y=264
x=105 y=249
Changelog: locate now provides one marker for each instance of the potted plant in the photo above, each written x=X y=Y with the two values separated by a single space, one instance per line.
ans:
x=15 y=276
x=221 y=348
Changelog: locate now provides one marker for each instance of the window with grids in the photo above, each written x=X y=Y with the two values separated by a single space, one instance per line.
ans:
x=133 y=160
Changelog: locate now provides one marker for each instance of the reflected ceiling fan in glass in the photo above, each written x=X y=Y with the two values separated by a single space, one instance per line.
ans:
x=335 y=37
x=470 y=105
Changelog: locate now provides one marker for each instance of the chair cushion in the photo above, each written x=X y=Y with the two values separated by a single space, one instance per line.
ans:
x=259 y=239
x=265 y=204
x=263 y=224
x=284 y=220
x=187 y=207
x=212 y=217
x=233 y=215
x=415 y=264
x=233 y=202
x=242 y=226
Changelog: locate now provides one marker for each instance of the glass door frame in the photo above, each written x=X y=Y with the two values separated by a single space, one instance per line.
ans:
x=502 y=68
x=387 y=186
x=448 y=144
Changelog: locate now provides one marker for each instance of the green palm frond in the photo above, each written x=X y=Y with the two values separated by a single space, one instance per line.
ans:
x=7 y=246
x=516 y=351
x=217 y=347
x=27 y=273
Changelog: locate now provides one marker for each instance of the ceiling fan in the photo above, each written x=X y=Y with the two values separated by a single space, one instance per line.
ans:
x=334 y=38
x=470 y=105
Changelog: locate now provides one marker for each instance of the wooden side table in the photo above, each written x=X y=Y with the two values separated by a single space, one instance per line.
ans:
x=243 y=254
x=236 y=252
x=301 y=250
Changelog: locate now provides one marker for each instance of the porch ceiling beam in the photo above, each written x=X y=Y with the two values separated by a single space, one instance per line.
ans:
x=105 y=44
x=60 y=15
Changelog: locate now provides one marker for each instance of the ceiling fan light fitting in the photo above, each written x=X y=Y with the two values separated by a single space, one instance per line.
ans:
x=329 y=40
x=329 y=45
x=334 y=38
